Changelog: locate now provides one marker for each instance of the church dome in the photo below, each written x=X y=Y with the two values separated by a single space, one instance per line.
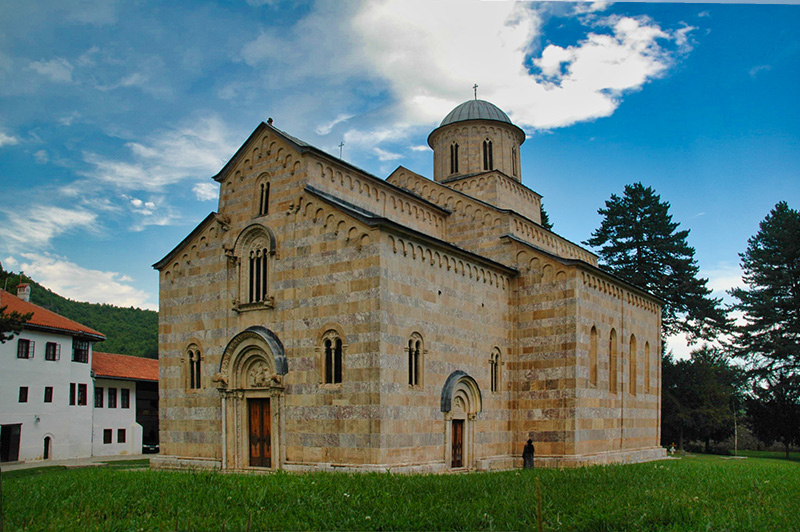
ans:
x=475 y=110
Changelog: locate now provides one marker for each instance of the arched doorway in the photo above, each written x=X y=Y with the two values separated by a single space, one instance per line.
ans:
x=47 y=448
x=250 y=381
x=461 y=403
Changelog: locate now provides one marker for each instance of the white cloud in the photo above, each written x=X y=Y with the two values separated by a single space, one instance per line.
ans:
x=81 y=284
x=67 y=120
x=420 y=148
x=167 y=157
x=37 y=226
x=384 y=155
x=59 y=69
x=41 y=157
x=722 y=278
x=7 y=140
x=206 y=191
x=324 y=129
x=10 y=262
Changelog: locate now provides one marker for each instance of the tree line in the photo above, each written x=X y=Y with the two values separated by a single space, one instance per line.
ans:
x=746 y=370
x=129 y=331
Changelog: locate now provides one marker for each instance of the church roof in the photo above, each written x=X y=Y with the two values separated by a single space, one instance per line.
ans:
x=475 y=110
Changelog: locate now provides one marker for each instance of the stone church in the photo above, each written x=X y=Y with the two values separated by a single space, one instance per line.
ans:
x=326 y=319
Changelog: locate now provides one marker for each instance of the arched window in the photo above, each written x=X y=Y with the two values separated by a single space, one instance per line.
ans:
x=647 y=367
x=632 y=369
x=593 y=356
x=332 y=347
x=488 y=161
x=252 y=252
x=613 y=361
x=263 y=198
x=258 y=274
x=494 y=371
x=514 y=161
x=193 y=367
x=454 y=158
x=415 y=356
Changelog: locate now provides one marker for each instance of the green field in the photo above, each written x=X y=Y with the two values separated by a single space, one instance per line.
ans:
x=692 y=493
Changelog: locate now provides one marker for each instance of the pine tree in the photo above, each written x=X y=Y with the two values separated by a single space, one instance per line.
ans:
x=546 y=223
x=639 y=242
x=770 y=336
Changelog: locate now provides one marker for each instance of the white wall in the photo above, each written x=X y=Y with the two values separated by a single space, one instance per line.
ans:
x=113 y=419
x=69 y=427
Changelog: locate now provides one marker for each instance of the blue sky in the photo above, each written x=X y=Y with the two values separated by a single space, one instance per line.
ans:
x=114 y=115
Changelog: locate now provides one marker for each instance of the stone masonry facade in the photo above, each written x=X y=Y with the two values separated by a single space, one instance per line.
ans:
x=326 y=319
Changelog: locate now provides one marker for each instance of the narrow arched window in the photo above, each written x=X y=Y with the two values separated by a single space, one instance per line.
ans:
x=488 y=162
x=258 y=274
x=193 y=368
x=593 y=356
x=454 y=158
x=494 y=371
x=332 y=346
x=632 y=366
x=514 y=161
x=415 y=360
x=647 y=367
x=613 y=361
x=263 y=198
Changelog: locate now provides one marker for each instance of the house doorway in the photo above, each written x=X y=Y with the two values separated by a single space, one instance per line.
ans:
x=46 y=453
x=458 y=443
x=9 y=442
x=260 y=433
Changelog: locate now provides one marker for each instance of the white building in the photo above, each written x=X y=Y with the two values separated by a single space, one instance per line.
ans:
x=50 y=401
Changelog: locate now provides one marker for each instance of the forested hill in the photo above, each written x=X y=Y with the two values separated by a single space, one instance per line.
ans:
x=130 y=331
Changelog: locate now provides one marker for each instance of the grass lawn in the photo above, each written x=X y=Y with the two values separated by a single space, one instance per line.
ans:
x=693 y=493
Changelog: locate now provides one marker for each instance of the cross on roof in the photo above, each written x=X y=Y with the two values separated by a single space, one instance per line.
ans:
x=475 y=89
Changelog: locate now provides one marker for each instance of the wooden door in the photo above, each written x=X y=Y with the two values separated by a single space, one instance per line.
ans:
x=458 y=443
x=9 y=442
x=260 y=442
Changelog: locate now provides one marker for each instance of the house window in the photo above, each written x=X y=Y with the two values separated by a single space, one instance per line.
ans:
x=194 y=359
x=98 y=397
x=632 y=366
x=72 y=394
x=125 y=398
x=82 y=399
x=107 y=435
x=263 y=198
x=488 y=161
x=52 y=351
x=612 y=361
x=48 y=394
x=494 y=371
x=25 y=348
x=23 y=394
x=454 y=158
x=332 y=344
x=415 y=360
x=80 y=351
x=112 y=398
x=593 y=356
x=120 y=435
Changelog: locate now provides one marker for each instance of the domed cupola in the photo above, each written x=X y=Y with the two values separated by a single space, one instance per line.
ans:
x=475 y=137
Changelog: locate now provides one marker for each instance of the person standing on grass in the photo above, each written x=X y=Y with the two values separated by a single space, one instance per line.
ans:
x=527 y=455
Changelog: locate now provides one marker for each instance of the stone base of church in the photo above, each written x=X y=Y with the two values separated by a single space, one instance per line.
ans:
x=627 y=456
x=494 y=463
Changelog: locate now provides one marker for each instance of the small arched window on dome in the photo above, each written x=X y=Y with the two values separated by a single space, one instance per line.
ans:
x=488 y=161
x=454 y=158
x=514 y=161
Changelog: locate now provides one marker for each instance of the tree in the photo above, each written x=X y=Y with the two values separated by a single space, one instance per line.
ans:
x=773 y=411
x=11 y=323
x=769 y=337
x=700 y=395
x=639 y=242
x=546 y=223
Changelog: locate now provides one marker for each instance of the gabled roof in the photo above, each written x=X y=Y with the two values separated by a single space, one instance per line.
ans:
x=114 y=366
x=47 y=320
x=197 y=230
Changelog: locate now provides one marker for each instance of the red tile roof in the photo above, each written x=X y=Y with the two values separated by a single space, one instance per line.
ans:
x=45 y=319
x=124 y=367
